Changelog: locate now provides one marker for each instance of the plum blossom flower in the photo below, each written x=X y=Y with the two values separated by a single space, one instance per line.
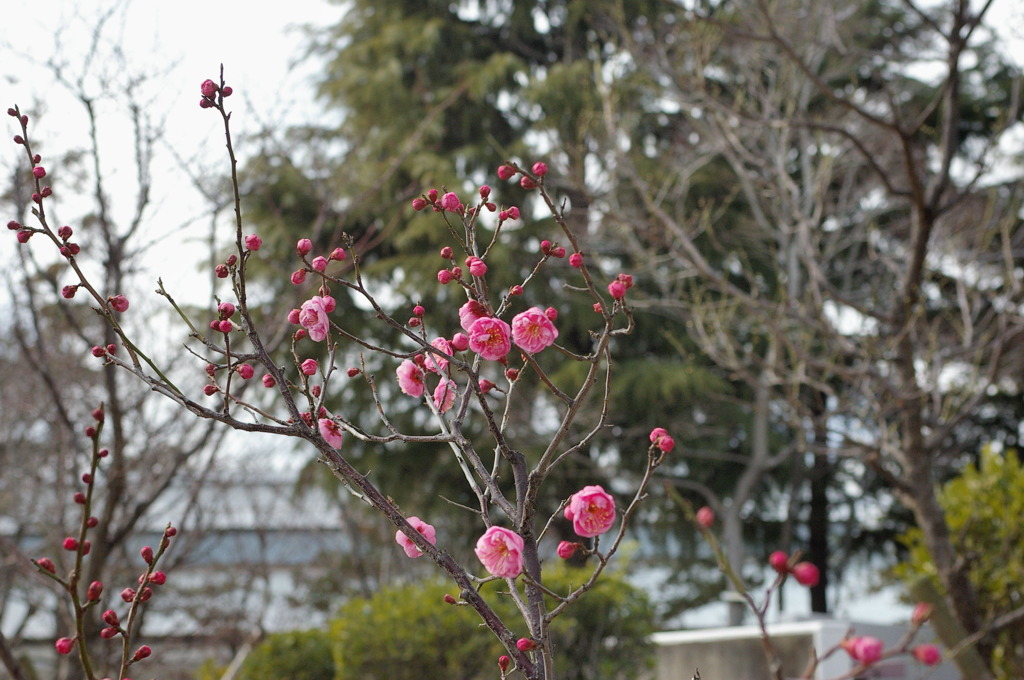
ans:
x=532 y=330
x=410 y=378
x=591 y=511
x=566 y=549
x=490 y=338
x=470 y=312
x=64 y=645
x=500 y=550
x=119 y=303
x=330 y=431
x=313 y=316
x=434 y=363
x=419 y=525
x=444 y=395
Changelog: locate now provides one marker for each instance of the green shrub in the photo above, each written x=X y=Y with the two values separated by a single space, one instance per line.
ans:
x=984 y=507
x=408 y=633
x=297 y=655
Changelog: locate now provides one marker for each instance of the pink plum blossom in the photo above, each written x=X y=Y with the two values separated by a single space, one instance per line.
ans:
x=313 y=316
x=470 y=312
x=434 y=363
x=410 y=378
x=444 y=395
x=64 y=645
x=591 y=511
x=253 y=242
x=532 y=330
x=490 y=338
x=419 y=525
x=330 y=431
x=208 y=88
x=500 y=550
x=319 y=263
x=303 y=246
x=119 y=303
x=309 y=367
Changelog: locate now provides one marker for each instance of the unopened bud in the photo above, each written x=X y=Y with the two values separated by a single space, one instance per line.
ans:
x=94 y=591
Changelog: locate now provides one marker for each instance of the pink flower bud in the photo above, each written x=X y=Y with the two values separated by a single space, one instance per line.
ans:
x=545 y=247
x=513 y=213
x=485 y=191
x=226 y=310
x=210 y=390
x=503 y=663
x=225 y=326
x=108 y=633
x=476 y=266
x=298 y=276
x=141 y=653
x=506 y=172
x=94 y=591
x=567 y=549
x=86 y=478
x=449 y=598
x=432 y=195
x=128 y=594
x=337 y=254
x=309 y=367
x=666 y=443
x=93 y=522
x=23 y=236
x=706 y=517
x=158 y=578
x=450 y=202
x=865 y=649
x=576 y=260
x=929 y=655
x=45 y=192
x=922 y=612
x=303 y=246
x=39 y=172
x=208 y=88
x=46 y=564
x=460 y=342
x=551 y=313
x=268 y=380
x=616 y=290
x=111 y=348
x=353 y=371
x=79 y=497
x=779 y=561
x=456 y=272
x=110 y=618
x=70 y=544
x=64 y=233
x=147 y=554
x=419 y=204
x=227 y=91
x=170 y=532
x=64 y=645
x=300 y=334
x=806 y=574
x=145 y=594
x=204 y=103
x=525 y=644
x=119 y=303
x=86 y=547
x=540 y=168
x=245 y=371
x=512 y=374
x=527 y=183
x=515 y=290
x=319 y=263
x=486 y=385
x=253 y=242
x=444 y=277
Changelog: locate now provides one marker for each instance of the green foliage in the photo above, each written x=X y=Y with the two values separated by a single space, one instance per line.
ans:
x=408 y=633
x=983 y=507
x=296 y=655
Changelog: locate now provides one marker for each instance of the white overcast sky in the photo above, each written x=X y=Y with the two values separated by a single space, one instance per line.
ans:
x=180 y=44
